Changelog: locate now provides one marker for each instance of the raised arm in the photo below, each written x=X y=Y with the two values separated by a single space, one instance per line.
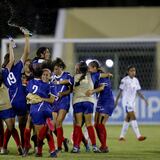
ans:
x=11 y=55
x=27 y=45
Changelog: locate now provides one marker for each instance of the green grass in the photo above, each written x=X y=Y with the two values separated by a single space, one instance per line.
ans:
x=130 y=149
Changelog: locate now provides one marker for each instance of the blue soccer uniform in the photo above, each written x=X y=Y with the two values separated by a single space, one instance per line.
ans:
x=41 y=111
x=63 y=102
x=105 y=102
x=13 y=82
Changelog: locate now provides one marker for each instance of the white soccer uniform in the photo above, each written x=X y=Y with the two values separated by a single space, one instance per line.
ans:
x=129 y=87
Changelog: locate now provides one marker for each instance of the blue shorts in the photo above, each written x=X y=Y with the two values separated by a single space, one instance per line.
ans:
x=83 y=107
x=8 y=113
x=20 y=109
x=40 y=112
x=61 y=104
x=105 y=107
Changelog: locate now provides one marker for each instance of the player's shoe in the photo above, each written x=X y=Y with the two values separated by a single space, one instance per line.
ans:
x=121 y=139
x=95 y=149
x=141 y=138
x=87 y=146
x=104 y=150
x=4 y=151
x=75 y=150
x=65 y=144
x=38 y=155
x=20 y=150
x=53 y=154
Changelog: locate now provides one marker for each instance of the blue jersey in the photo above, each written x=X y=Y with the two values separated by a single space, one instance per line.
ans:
x=61 y=87
x=38 y=87
x=63 y=102
x=41 y=111
x=106 y=94
x=12 y=80
x=105 y=103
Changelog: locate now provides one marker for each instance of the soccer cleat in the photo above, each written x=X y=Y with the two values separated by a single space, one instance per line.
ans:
x=54 y=154
x=121 y=139
x=20 y=150
x=104 y=150
x=25 y=152
x=75 y=150
x=95 y=149
x=4 y=151
x=38 y=155
x=65 y=144
x=141 y=138
x=87 y=147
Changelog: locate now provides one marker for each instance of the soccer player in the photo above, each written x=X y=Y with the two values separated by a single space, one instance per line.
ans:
x=63 y=81
x=42 y=54
x=85 y=137
x=6 y=111
x=129 y=88
x=40 y=99
x=83 y=105
x=104 y=107
x=12 y=80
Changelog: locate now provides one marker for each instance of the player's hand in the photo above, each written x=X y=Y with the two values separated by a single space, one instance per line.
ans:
x=146 y=101
x=89 y=93
x=110 y=75
x=25 y=31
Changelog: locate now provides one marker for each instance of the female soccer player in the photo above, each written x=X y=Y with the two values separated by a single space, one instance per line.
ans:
x=6 y=111
x=105 y=105
x=40 y=99
x=42 y=54
x=129 y=88
x=83 y=105
x=63 y=81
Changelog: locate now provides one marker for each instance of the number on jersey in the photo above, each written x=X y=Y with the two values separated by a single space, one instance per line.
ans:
x=35 y=88
x=11 y=79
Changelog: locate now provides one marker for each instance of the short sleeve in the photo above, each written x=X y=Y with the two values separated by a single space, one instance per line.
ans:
x=122 y=84
x=138 y=85
x=95 y=77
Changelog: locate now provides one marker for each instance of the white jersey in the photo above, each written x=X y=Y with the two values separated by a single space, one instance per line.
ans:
x=129 y=87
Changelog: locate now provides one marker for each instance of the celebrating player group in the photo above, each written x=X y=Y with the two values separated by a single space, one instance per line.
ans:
x=39 y=92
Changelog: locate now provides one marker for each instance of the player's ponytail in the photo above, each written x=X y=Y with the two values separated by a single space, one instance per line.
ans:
x=83 y=68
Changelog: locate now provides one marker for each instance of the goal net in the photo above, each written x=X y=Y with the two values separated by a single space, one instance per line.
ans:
x=114 y=56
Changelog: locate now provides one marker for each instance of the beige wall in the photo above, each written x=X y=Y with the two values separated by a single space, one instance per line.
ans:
x=112 y=22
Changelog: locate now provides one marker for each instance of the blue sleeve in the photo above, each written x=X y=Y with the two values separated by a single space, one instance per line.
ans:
x=5 y=73
x=69 y=78
x=95 y=77
x=18 y=67
x=29 y=86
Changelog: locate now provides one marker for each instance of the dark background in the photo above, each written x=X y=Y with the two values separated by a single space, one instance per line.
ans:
x=40 y=16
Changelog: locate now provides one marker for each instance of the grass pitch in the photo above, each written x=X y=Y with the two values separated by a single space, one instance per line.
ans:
x=131 y=149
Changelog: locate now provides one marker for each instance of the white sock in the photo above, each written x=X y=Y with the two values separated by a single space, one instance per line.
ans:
x=124 y=129
x=135 y=128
